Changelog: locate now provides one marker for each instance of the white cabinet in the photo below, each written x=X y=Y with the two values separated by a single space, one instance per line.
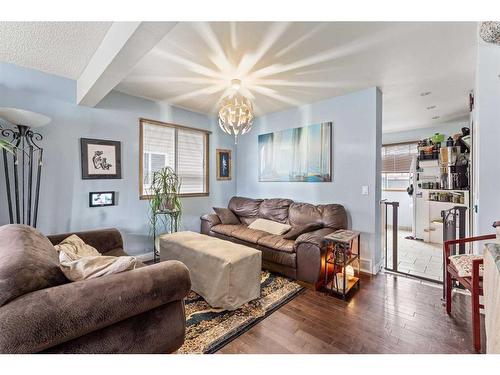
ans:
x=428 y=225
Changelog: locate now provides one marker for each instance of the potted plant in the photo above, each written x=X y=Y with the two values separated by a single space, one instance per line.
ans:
x=165 y=189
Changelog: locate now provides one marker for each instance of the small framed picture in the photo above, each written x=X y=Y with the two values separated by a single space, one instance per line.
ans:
x=223 y=161
x=101 y=159
x=101 y=198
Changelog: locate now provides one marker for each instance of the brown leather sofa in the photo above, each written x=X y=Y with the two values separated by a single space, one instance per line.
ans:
x=301 y=259
x=138 y=311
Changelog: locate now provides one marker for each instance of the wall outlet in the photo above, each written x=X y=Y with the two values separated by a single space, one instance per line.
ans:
x=364 y=190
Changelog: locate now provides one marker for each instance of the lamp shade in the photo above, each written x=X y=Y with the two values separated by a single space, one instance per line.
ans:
x=23 y=117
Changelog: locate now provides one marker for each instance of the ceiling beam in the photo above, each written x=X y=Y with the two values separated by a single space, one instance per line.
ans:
x=122 y=47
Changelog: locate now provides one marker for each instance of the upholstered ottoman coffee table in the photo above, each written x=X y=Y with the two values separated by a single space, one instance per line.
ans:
x=225 y=274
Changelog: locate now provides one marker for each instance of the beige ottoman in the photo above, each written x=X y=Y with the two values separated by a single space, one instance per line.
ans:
x=225 y=274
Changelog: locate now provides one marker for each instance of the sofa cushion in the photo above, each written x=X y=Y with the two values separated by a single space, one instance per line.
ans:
x=247 y=220
x=245 y=207
x=28 y=262
x=248 y=234
x=333 y=216
x=226 y=216
x=270 y=226
x=304 y=213
x=226 y=229
x=277 y=242
x=295 y=232
x=328 y=215
x=275 y=209
x=463 y=264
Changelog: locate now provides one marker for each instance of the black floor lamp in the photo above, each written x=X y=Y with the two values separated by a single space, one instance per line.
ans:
x=23 y=167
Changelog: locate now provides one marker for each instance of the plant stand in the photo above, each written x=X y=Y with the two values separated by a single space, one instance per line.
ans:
x=342 y=249
x=171 y=224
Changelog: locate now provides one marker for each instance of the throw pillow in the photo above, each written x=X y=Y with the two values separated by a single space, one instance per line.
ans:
x=293 y=233
x=226 y=216
x=270 y=226
x=79 y=261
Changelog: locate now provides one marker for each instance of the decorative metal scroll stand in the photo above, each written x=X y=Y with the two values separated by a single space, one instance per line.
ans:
x=26 y=168
x=172 y=225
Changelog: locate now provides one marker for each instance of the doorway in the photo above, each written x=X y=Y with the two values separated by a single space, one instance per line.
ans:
x=424 y=200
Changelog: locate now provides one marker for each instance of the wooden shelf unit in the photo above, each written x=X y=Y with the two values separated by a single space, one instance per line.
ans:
x=340 y=253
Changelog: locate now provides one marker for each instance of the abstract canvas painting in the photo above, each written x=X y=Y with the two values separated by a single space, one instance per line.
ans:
x=297 y=155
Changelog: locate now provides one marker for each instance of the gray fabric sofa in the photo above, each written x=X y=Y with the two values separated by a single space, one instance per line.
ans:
x=138 y=311
x=299 y=259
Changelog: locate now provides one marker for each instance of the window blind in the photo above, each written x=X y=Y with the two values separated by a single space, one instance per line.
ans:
x=191 y=160
x=397 y=158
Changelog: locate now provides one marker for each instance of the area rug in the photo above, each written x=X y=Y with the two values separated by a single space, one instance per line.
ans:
x=209 y=329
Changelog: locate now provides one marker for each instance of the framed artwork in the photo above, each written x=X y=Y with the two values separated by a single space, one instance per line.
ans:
x=102 y=198
x=101 y=159
x=297 y=155
x=223 y=161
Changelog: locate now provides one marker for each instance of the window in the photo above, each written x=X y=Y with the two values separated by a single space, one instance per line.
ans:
x=183 y=149
x=396 y=165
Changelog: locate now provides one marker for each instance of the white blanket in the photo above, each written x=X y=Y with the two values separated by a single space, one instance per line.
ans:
x=79 y=261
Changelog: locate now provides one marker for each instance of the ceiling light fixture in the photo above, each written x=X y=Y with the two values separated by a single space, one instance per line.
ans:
x=235 y=84
x=236 y=112
x=490 y=32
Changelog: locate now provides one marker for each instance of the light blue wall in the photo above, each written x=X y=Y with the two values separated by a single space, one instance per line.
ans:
x=356 y=143
x=487 y=137
x=64 y=195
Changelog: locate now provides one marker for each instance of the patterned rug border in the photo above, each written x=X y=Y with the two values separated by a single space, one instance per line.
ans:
x=234 y=335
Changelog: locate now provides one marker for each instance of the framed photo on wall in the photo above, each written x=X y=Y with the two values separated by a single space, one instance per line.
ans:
x=223 y=161
x=101 y=159
x=102 y=198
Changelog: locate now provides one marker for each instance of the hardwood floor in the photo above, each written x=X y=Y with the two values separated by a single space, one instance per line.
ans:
x=389 y=314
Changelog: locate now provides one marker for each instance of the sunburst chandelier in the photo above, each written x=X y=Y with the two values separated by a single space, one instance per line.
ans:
x=236 y=112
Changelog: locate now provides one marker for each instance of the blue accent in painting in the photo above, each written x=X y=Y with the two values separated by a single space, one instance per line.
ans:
x=224 y=165
x=297 y=155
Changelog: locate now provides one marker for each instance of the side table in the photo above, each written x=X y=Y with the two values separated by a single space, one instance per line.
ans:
x=171 y=222
x=342 y=248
